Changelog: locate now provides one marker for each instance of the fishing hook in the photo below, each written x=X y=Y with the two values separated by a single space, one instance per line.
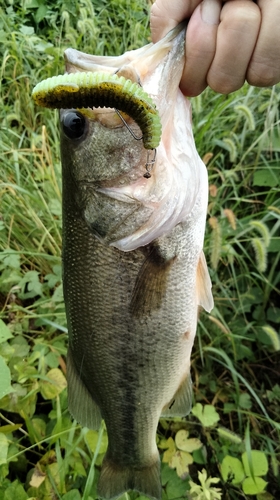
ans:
x=149 y=163
x=127 y=126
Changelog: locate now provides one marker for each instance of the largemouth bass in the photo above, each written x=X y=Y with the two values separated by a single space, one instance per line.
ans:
x=134 y=269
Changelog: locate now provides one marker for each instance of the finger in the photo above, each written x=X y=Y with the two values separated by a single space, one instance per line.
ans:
x=264 y=67
x=236 y=38
x=200 y=46
x=166 y=14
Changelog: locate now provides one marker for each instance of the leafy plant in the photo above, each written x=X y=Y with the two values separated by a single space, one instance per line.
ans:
x=178 y=453
x=235 y=361
x=248 y=472
x=207 y=414
x=205 y=491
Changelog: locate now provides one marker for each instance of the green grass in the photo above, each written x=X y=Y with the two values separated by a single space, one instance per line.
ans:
x=235 y=361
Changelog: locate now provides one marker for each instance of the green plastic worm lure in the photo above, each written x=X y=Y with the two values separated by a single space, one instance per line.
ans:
x=83 y=90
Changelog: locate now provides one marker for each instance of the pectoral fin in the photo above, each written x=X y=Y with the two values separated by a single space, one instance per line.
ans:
x=151 y=282
x=180 y=405
x=80 y=403
x=204 y=285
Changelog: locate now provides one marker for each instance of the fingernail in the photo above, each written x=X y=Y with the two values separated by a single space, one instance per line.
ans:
x=210 y=11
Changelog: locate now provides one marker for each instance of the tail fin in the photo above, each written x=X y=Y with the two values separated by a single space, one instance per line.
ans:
x=116 y=479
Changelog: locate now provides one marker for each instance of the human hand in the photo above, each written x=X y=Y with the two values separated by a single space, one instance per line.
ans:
x=227 y=42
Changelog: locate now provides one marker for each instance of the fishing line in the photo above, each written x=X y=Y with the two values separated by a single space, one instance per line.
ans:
x=149 y=163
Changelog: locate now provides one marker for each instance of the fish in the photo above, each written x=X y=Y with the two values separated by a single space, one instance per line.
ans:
x=134 y=271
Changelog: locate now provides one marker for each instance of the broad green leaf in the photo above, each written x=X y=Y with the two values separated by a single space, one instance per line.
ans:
x=52 y=479
x=206 y=414
x=78 y=467
x=259 y=463
x=54 y=385
x=5 y=332
x=274 y=394
x=42 y=46
x=264 y=495
x=273 y=312
x=245 y=401
x=252 y=486
x=185 y=444
x=91 y=439
x=20 y=401
x=72 y=495
x=15 y=492
x=58 y=294
x=232 y=469
x=41 y=13
x=26 y=30
x=181 y=461
x=52 y=360
x=200 y=456
x=266 y=177
x=11 y=259
x=166 y=443
x=31 y=281
x=25 y=371
x=4 y=445
x=39 y=427
x=6 y=429
x=174 y=486
x=5 y=379
x=168 y=454
x=20 y=346
x=274 y=245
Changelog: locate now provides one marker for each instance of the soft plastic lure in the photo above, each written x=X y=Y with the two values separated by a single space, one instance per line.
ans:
x=83 y=90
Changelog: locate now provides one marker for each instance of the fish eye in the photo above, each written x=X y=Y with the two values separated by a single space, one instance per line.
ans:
x=73 y=124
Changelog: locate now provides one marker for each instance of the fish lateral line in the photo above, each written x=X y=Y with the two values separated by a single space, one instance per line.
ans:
x=98 y=89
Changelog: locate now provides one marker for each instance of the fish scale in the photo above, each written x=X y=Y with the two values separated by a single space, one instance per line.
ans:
x=134 y=273
x=84 y=264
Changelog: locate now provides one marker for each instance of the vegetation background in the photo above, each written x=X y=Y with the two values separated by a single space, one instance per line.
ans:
x=229 y=447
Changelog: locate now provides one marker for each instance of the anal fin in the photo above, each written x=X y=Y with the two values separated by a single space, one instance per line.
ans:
x=181 y=403
x=80 y=403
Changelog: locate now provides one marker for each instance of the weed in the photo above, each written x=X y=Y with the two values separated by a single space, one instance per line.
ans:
x=233 y=431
